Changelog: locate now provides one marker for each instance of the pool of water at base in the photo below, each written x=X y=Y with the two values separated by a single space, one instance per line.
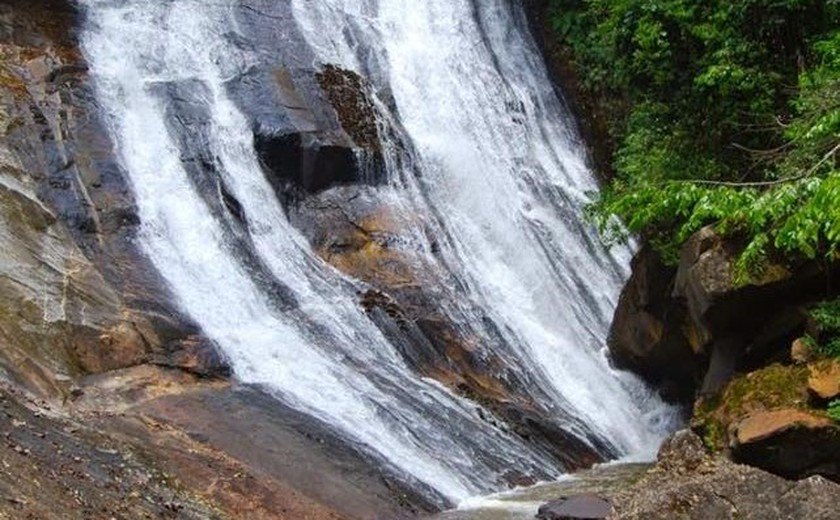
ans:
x=604 y=480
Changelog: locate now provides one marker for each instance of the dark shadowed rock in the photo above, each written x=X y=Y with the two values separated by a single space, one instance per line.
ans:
x=303 y=151
x=582 y=507
x=741 y=323
x=702 y=323
x=790 y=443
x=647 y=333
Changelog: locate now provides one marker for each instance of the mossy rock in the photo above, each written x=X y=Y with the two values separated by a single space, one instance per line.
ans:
x=774 y=387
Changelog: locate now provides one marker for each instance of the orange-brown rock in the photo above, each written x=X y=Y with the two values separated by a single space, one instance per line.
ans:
x=824 y=379
x=763 y=425
x=790 y=443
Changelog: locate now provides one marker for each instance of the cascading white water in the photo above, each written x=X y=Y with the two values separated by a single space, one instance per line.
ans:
x=508 y=177
x=498 y=166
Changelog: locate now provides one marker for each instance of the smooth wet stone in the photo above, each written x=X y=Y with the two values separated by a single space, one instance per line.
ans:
x=575 y=508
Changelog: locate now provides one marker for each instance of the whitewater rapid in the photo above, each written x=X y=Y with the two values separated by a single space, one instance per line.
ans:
x=497 y=168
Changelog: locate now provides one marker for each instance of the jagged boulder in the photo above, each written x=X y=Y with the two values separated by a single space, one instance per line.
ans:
x=689 y=483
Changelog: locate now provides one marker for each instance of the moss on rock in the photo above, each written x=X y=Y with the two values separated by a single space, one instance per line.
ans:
x=774 y=387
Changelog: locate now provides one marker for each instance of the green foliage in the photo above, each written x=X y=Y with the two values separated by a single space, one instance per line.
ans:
x=827 y=318
x=834 y=410
x=725 y=112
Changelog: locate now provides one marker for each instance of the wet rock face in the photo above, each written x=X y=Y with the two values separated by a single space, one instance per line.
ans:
x=309 y=150
x=688 y=483
x=356 y=230
x=78 y=297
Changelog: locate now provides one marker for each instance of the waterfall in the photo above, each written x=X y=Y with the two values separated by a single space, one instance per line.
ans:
x=496 y=168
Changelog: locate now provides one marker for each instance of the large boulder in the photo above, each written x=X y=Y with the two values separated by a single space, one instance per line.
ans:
x=742 y=321
x=647 y=333
x=791 y=443
x=703 y=321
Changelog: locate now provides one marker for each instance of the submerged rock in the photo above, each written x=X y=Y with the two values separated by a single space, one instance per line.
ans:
x=581 y=507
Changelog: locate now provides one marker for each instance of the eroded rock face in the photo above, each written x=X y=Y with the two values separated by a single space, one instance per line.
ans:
x=688 y=483
x=78 y=297
x=357 y=231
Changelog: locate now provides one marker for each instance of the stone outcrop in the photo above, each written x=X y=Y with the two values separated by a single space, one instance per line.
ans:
x=701 y=322
x=117 y=405
x=161 y=443
x=78 y=297
x=688 y=483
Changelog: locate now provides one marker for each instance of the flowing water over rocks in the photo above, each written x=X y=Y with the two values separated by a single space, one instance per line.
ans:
x=454 y=330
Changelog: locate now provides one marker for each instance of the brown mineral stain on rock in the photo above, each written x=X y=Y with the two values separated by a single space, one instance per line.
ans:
x=348 y=93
